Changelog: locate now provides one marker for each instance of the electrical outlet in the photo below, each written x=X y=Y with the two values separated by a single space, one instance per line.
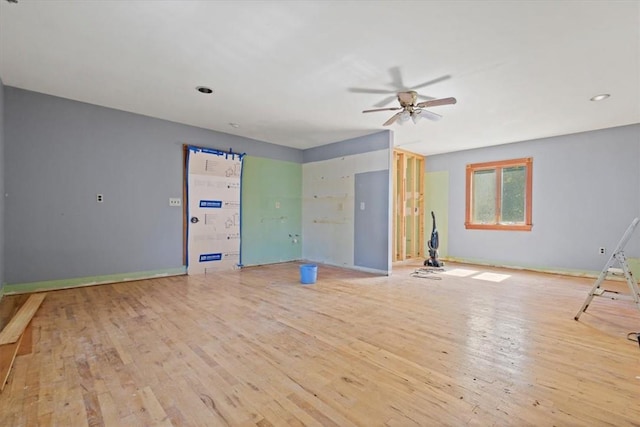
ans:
x=277 y=205
x=99 y=198
x=602 y=251
x=175 y=201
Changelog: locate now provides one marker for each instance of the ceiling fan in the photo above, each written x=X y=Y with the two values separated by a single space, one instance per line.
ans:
x=410 y=109
x=397 y=85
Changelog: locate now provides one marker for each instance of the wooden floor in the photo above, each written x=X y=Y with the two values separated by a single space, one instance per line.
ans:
x=254 y=347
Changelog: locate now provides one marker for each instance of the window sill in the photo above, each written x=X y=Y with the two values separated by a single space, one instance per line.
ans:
x=510 y=227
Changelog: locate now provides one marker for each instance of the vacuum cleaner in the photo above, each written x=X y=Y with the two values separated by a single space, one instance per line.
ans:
x=433 y=244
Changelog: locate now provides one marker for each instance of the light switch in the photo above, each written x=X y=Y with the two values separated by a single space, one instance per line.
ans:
x=361 y=206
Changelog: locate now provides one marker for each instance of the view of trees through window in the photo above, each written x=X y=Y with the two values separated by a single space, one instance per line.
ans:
x=484 y=196
x=513 y=188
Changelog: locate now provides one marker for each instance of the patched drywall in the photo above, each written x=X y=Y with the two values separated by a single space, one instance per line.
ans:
x=329 y=204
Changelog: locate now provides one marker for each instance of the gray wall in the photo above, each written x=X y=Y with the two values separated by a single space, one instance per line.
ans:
x=371 y=219
x=335 y=179
x=585 y=194
x=2 y=173
x=59 y=153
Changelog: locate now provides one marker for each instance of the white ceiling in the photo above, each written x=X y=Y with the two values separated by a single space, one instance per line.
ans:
x=286 y=70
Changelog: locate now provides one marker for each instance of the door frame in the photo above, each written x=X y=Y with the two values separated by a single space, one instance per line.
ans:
x=408 y=205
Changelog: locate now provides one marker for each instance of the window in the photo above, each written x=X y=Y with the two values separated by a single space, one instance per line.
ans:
x=499 y=195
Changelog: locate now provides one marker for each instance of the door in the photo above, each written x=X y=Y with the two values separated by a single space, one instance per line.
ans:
x=213 y=210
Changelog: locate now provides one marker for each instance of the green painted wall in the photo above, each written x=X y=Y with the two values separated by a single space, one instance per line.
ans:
x=271 y=211
x=436 y=199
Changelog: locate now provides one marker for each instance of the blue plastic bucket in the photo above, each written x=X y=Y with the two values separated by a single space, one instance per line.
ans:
x=308 y=274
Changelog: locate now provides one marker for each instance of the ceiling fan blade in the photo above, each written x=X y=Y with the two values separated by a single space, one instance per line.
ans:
x=436 y=102
x=393 y=119
x=382 y=109
x=417 y=114
x=385 y=101
x=396 y=78
x=365 y=90
x=425 y=97
x=431 y=82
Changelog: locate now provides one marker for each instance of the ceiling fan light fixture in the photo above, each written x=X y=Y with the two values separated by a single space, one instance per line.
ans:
x=410 y=109
x=600 y=97
x=204 y=89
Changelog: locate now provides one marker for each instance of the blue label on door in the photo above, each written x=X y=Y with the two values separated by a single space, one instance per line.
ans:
x=210 y=203
x=210 y=257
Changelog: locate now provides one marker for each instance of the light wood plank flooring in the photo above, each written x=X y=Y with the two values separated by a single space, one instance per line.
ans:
x=254 y=347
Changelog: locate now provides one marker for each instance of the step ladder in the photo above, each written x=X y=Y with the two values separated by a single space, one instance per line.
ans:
x=618 y=257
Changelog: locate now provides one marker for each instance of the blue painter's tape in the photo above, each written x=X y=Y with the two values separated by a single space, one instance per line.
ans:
x=210 y=257
x=240 y=209
x=210 y=203
x=217 y=152
x=206 y=150
x=186 y=183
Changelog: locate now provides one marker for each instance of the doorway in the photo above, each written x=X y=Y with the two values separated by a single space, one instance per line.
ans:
x=408 y=205
x=212 y=210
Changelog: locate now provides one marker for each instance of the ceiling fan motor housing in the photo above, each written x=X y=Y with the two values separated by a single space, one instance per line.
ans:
x=407 y=98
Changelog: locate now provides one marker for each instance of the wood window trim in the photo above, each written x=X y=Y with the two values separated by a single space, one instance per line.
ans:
x=499 y=165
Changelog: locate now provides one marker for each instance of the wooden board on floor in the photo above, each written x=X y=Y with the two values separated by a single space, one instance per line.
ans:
x=7 y=356
x=12 y=332
x=9 y=306
x=26 y=342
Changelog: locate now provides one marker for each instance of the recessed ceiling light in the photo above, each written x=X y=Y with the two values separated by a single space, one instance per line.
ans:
x=600 y=97
x=204 y=89
x=234 y=125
